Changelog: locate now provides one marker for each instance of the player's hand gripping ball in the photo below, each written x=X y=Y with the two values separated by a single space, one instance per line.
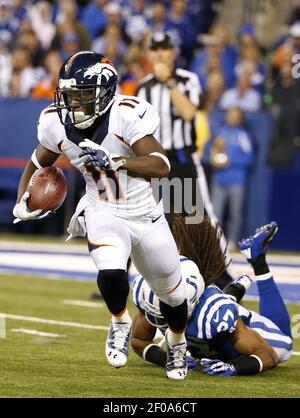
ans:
x=45 y=193
x=47 y=189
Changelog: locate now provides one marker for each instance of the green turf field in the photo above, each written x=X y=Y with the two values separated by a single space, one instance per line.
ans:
x=74 y=365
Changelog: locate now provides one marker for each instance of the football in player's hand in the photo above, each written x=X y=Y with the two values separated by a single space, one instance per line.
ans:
x=47 y=188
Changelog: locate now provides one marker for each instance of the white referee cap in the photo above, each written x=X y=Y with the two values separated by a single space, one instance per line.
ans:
x=161 y=40
x=295 y=30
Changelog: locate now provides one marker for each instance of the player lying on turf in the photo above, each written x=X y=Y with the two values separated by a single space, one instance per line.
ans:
x=238 y=341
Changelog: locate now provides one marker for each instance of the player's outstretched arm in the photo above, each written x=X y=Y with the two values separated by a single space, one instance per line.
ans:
x=44 y=158
x=142 y=342
x=256 y=355
x=251 y=345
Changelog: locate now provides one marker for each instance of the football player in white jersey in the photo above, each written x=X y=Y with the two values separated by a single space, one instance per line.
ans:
x=110 y=138
x=236 y=340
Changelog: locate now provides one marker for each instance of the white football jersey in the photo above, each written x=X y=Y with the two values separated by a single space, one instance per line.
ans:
x=128 y=120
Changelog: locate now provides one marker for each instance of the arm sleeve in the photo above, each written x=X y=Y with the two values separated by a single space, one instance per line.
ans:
x=247 y=366
x=140 y=121
x=46 y=131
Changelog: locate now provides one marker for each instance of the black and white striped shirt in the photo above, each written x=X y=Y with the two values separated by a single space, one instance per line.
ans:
x=174 y=133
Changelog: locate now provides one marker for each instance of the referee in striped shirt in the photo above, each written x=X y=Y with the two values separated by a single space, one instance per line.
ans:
x=175 y=93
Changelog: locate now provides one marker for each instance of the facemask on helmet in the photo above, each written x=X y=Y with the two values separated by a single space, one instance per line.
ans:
x=86 y=89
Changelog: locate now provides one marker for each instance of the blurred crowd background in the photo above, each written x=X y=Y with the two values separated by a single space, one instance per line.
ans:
x=243 y=51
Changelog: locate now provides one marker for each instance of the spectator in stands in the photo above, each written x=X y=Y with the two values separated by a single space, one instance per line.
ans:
x=157 y=22
x=214 y=91
x=294 y=33
x=23 y=76
x=211 y=63
x=231 y=156
x=134 y=72
x=66 y=10
x=228 y=53
x=111 y=37
x=286 y=116
x=251 y=62
x=203 y=13
x=246 y=37
x=5 y=74
x=114 y=52
x=218 y=43
x=94 y=17
x=282 y=55
x=137 y=21
x=25 y=27
x=67 y=22
x=28 y=40
x=20 y=10
x=180 y=25
x=70 y=44
x=41 y=19
x=114 y=14
x=45 y=88
x=8 y=23
x=242 y=96
x=287 y=48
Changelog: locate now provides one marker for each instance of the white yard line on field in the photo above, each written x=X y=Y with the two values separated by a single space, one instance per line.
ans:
x=54 y=262
x=44 y=246
x=64 y=324
x=35 y=332
x=52 y=322
x=83 y=303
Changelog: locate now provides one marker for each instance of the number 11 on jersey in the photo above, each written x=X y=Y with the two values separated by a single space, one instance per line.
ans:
x=108 y=184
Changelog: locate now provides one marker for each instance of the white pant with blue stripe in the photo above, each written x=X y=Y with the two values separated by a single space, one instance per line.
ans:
x=281 y=343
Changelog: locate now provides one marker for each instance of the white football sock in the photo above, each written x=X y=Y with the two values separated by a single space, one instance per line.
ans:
x=262 y=277
x=174 y=338
x=125 y=317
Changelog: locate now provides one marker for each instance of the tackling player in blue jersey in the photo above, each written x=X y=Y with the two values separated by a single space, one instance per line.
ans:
x=229 y=339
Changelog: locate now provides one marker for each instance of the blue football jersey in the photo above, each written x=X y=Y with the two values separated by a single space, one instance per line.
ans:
x=216 y=313
x=212 y=321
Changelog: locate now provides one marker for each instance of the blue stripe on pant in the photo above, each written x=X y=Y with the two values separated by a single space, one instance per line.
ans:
x=271 y=305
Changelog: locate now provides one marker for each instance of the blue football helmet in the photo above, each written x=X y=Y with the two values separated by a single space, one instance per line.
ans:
x=194 y=287
x=87 y=86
